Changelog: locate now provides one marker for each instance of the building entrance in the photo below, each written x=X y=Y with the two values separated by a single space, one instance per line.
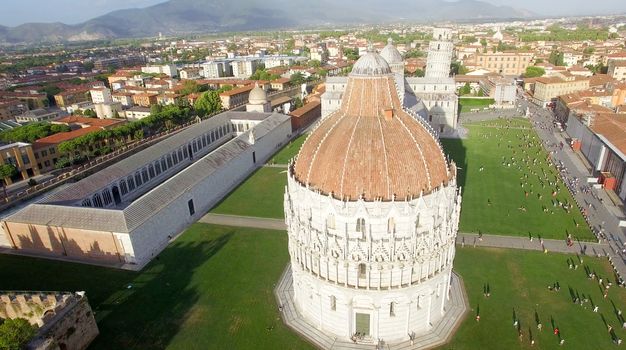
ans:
x=362 y=324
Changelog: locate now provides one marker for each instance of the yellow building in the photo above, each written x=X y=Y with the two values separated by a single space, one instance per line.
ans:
x=22 y=157
x=548 y=88
x=505 y=63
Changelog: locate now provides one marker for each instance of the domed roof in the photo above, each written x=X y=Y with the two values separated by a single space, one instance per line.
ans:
x=370 y=64
x=257 y=96
x=372 y=148
x=390 y=53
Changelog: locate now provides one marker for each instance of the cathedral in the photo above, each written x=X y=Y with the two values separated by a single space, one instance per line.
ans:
x=432 y=97
x=372 y=210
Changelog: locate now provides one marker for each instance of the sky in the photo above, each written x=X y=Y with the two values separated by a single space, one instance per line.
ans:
x=16 y=12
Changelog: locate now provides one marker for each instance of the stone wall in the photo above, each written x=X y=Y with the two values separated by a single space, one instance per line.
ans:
x=65 y=320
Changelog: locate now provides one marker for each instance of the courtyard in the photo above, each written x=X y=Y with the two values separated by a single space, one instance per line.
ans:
x=213 y=289
x=509 y=187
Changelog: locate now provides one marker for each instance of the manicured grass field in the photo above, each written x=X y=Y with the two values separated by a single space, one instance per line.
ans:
x=211 y=289
x=466 y=104
x=289 y=151
x=513 y=194
x=261 y=195
x=518 y=282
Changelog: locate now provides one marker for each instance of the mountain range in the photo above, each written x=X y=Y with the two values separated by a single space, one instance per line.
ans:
x=177 y=17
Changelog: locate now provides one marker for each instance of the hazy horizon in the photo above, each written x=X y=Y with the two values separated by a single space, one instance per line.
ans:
x=78 y=11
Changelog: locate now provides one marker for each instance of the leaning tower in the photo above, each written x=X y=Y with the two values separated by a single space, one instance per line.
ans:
x=372 y=210
x=440 y=54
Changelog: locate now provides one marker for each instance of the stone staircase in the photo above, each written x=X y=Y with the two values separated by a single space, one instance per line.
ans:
x=439 y=335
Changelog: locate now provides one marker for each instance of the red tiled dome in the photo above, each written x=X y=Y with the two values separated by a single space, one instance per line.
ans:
x=371 y=147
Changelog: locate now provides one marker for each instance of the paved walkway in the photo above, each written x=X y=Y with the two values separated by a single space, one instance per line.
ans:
x=244 y=221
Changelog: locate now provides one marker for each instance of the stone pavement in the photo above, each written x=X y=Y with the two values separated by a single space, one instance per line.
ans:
x=244 y=221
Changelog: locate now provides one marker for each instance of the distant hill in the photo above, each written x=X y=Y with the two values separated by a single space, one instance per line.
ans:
x=176 y=17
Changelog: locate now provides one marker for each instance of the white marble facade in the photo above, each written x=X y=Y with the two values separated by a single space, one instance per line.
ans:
x=380 y=268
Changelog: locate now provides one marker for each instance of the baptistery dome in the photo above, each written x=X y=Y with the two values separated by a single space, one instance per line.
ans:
x=372 y=148
x=257 y=96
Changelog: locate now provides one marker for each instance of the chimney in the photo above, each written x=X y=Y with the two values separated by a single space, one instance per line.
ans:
x=388 y=113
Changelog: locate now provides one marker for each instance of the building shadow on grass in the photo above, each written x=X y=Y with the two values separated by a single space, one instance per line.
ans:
x=149 y=311
x=454 y=149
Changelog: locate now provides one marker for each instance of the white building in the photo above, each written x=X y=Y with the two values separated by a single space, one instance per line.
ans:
x=109 y=110
x=216 y=69
x=167 y=69
x=137 y=112
x=100 y=95
x=244 y=67
x=257 y=101
x=372 y=218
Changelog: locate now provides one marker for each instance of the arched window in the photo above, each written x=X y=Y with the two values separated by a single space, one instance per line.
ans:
x=362 y=270
x=392 y=309
x=131 y=183
x=107 y=197
x=144 y=175
x=163 y=164
x=203 y=141
x=330 y=221
x=360 y=225
x=180 y=155
x=175 y=157
x=183 y=154
x=157 y=167
x=333 y=303
x=138 y=179
x=151 y=170
x=169 y=161
x=97 y=200
x=123 y=187
x=391 y=225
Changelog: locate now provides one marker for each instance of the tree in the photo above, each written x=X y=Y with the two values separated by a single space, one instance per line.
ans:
x=90 y=113
x=297 y=78
x=483 y=42
x=190 y=87
x=208 y=103
x=556 y=58
x=466 y=89
x=414 y=54
x=315 y=63
x=351 y=54
x=15 y=333
x=533 y=72
x=6 y=171
x=458 y=68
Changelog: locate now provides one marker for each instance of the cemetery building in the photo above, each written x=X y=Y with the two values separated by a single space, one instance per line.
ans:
x=127 y=213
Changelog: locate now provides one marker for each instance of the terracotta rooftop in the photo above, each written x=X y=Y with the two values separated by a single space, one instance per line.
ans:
x=102 y=123
x=64 y=136
x=371 y=147
x=305 y=109
x=236 y=91
x=613 y=127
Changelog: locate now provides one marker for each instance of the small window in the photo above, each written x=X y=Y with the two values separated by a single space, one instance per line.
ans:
x=157 y=167
x=138 y=179
x=131 y=183
x=392 y=309
x=330 y=221
x=362 y=270
x=360 y=225
x=144 y=175
x=333 y=303
x=391 y=225
x=151 y=170
x=192 y=210
x=163 y=164
x=123 y=187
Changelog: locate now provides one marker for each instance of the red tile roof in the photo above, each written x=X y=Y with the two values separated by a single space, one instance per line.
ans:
x=64 y=136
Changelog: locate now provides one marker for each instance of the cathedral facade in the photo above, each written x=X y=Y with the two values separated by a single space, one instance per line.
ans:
x=432 y=97
x=372 y=210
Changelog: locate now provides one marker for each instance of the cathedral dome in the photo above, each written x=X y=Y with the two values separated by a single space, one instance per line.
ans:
x=372 y=148
x=391 y=54
x=257 y=96
x=370 y=64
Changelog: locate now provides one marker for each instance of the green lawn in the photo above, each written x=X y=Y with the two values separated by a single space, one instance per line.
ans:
x=289 y=151
x=466 y=104
x=260 y=195
x=518 y=283
x=494 y=201
x=211 y=289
